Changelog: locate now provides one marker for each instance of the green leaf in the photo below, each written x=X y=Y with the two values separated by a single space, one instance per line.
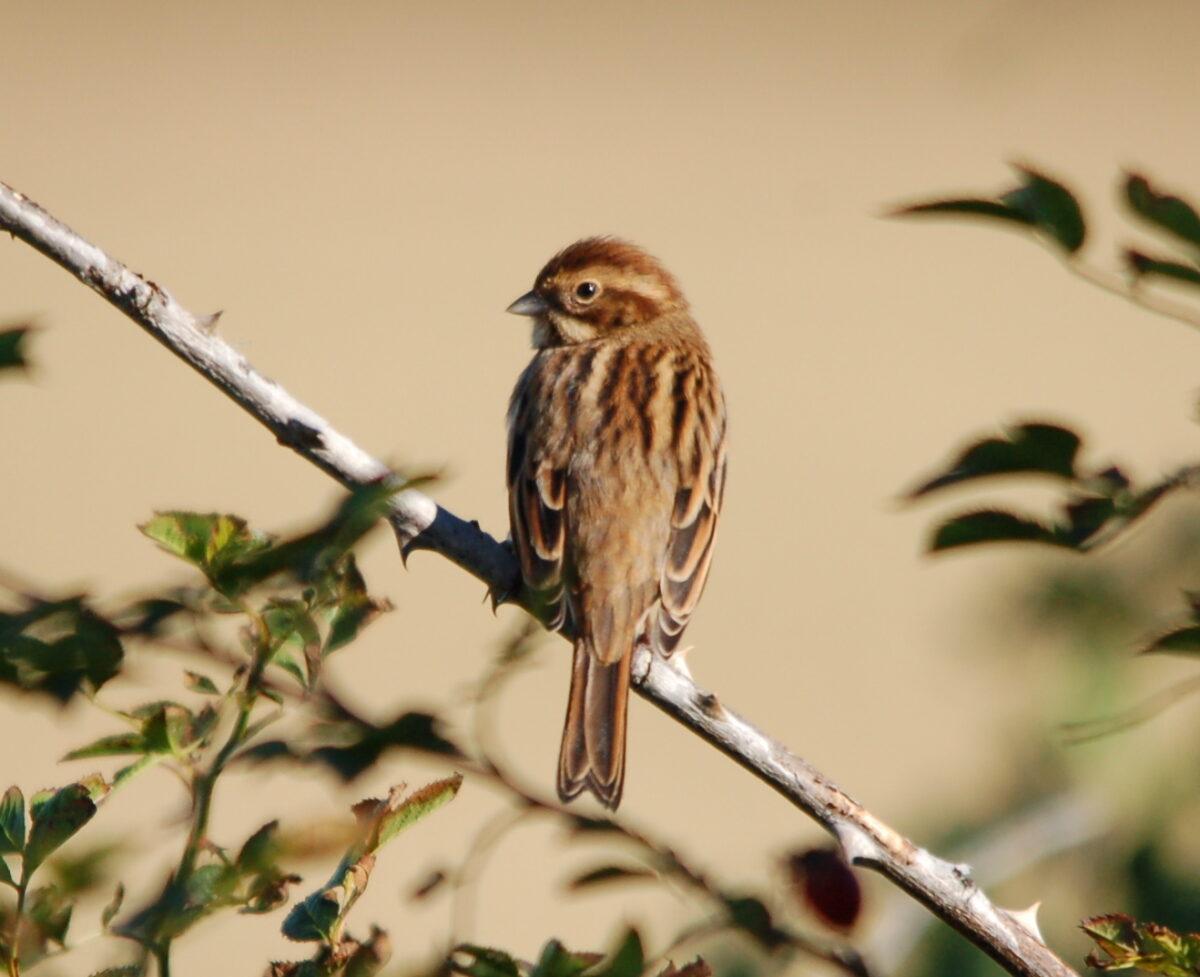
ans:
x=1144 y=265
x=400 y=814
x=12 y=348
x=1037 y=202
x=12 y=821
x=1027 y=448
x=118 y=744
x=629 y=960
x=1164 y=210
x=6 y=876
x=609 y=873
x=201 y=683
x=353 y=608
x=1129 y=944
x=57 y=816
x=206 y=540
x=967 y=206
x=312 y=920
x=1050 y=206
x=991 y=526
x=557 y=961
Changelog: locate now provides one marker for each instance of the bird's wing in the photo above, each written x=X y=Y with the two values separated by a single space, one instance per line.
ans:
x=537 y=491
x=690 y=545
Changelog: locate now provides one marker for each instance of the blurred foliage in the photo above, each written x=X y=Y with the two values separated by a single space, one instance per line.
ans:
x=1100 y=611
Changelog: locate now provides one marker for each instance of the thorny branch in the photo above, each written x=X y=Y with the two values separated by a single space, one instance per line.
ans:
x=945 y=888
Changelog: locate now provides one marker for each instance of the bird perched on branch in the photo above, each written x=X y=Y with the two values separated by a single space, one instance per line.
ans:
x=616 y=470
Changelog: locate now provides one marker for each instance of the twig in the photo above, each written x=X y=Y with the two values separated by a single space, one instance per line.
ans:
x=420 y=523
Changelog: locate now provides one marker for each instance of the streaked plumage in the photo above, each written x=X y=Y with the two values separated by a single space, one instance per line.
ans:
x=616 y=469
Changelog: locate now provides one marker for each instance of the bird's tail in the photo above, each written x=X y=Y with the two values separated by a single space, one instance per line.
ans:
x=593 y=743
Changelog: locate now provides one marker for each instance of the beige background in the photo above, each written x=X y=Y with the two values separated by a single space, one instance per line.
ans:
x=364 y=187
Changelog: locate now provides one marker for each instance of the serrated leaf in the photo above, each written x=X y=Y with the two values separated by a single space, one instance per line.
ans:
x=609 y=873
x=991 y=526
x=1168 y=212
x=128 y=970
x=312 y=919
x=417 y=805
x=56 y=817
x=12 y=821
x=1144 y=265
x=12 y=348
x=1034 y=447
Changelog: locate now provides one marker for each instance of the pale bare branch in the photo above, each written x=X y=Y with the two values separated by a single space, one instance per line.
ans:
x=947 y=889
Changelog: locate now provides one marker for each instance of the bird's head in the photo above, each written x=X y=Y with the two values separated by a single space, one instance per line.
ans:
x=596 y=287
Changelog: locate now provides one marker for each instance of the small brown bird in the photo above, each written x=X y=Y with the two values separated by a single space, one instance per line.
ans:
x=616 y=469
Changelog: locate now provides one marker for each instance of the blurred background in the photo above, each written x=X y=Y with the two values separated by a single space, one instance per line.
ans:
x=363 y=188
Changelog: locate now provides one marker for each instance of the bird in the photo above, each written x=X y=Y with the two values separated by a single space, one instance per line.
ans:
x=616 y=476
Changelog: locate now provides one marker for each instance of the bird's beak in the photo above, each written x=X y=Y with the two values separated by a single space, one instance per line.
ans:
x=528 y=304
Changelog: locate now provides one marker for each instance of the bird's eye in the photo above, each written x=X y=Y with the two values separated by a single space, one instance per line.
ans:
x=586 y=291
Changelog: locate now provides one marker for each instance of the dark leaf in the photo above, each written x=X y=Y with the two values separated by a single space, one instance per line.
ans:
x=1168 y=212
x=970 y=207
x=1038 y=202
x=12 y=821
x=609 y=873
x=751 y=916
x=12 y=348
x=822 y=881
x=413 y=730
x=482 y=961
x=312 y=919
x=147 y=617
x=557 y=961
x=1182 y=641
x=991 y=526
x=1032 y=448
x=353 y=608
x=1049 y=205
x=56 y=816
x=128 y=970
x=1143 y=265
x=628 y=960
x=261 y=849
x=58 y=648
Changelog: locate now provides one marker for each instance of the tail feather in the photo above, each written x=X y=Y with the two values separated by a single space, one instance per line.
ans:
x=593 y=745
